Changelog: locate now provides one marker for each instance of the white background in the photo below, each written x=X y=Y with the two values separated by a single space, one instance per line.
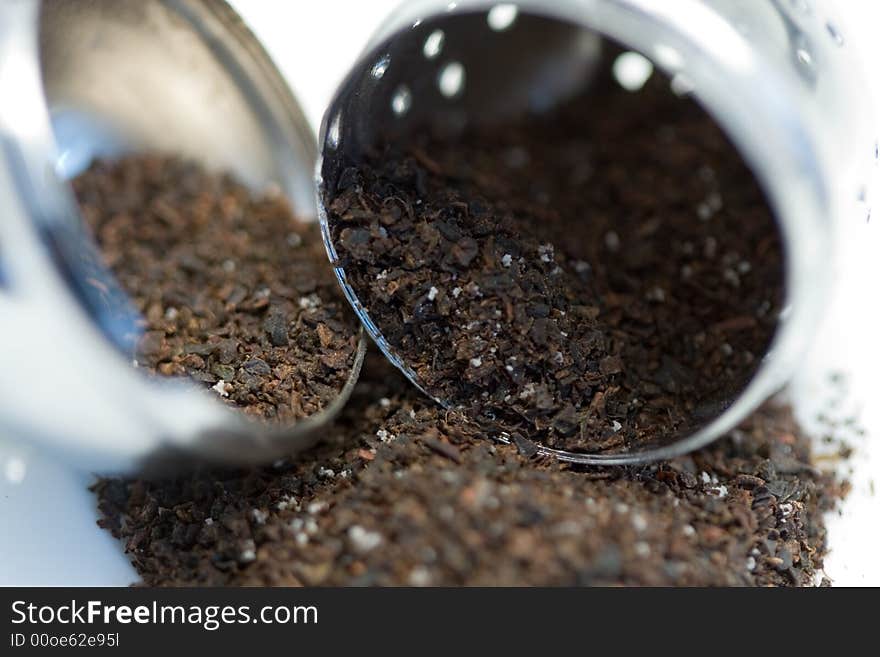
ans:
x=48 y=533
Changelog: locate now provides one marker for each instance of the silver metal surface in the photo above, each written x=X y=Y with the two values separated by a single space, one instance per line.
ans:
x=777 y=75
x=87 y=78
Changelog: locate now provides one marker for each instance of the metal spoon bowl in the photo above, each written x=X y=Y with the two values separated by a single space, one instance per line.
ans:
x=81 y=79
x=775 y=80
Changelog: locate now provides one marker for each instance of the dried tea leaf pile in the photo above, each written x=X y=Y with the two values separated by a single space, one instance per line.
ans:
x=641 y=305
x=602 y=278
x=405 y=494
x=235 y=291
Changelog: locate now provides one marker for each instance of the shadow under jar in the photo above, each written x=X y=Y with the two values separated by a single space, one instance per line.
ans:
x=87 y=80
x=600 y=230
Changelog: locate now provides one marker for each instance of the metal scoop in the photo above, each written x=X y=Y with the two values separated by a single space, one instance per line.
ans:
x=777 y=77
x=81 y=79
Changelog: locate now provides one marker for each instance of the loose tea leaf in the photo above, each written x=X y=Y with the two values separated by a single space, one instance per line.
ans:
x=605 y=275
x=403 y=493
x=602 y=278
x=235 y=291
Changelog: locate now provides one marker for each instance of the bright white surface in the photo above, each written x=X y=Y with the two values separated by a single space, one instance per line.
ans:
x=49 y=535
x=848 y=343
x=314 y=43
